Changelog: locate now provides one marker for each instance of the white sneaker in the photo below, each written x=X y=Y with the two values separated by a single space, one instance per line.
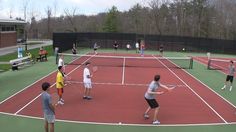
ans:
x=156 y=122
x=60 y=102
x=230 y=89
x=146 y=116
x=223 y=88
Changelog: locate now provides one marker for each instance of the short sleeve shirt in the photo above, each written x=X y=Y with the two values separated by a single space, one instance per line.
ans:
x=46 y=101
x=85 y=75
x=59 y=80
x=153 y=86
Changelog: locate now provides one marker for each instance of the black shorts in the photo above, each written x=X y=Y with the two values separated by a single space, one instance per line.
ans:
x=115 y=48
x=229 y=78
x=161 y=51
x=95 y=49
x=152 y=103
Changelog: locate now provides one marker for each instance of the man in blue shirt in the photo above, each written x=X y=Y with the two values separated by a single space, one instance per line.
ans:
x=48 y=108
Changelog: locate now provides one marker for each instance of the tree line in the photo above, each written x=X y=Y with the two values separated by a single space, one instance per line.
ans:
x=194 y=18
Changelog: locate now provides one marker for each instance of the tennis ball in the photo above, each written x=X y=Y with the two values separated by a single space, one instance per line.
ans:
x=120 y=123
x=183 y=49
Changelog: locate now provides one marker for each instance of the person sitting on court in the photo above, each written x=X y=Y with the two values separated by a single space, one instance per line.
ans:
x=150 y=97
x=87 y=81
x=230 y=76
x=48 y=107
x=60 y=84
x=42 y=54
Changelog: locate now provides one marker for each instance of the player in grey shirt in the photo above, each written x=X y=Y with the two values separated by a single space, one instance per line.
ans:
x=48 y=108
x=150 y=97
x=230 y=76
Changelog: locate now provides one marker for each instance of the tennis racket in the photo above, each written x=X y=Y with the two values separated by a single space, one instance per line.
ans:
x=55 y=98
x=94 y=69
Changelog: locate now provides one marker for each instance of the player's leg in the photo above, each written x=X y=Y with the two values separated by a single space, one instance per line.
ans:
x=226 y=81
x=46 y=126
x=51 y=127
x=231 y=83
x=155 y=121
x=89 y=91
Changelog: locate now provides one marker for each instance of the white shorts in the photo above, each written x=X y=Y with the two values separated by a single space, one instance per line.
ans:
x=49 y=118
x=87 y=84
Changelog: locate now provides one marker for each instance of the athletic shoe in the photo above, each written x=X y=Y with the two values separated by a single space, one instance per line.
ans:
x=85 y=97
x=146 y=116
x=156 y=122
x=230 y=89
x=89 y=97
x=60 y=102
x=223 y=88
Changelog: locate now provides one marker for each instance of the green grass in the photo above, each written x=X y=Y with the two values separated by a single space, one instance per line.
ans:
x=8 y=57
x=17 y=80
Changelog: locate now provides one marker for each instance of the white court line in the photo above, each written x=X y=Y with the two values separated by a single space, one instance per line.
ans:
x=194 y=92
x=123 y=72
x=27 y=87
x=52 y=85
x=123 y=124
x=125 y=84
x=211 y=88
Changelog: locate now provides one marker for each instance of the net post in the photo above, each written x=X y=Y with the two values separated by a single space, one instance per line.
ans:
x=209 y=64
x=191 y=63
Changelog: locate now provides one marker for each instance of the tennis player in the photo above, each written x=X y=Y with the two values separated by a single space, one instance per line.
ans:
x=115 y=46
x=161 y=49
x=230 y=76
x=48 y=108
x=74 y=50
x=95 y=47
x=142 y=47
x=60 y=85
x=137 y=47
x=87 y=82
x=61 y=63
x=150 y=97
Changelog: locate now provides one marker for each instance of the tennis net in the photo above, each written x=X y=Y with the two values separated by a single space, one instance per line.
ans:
x=129 y=61
x=219 y=64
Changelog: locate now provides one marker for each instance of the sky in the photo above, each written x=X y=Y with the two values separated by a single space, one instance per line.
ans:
x=38 y=7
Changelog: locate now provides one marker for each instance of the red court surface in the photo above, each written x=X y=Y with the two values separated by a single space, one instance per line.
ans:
x=217 y=65
x=118 y=96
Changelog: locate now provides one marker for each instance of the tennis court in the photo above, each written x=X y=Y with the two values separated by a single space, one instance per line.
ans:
x=118 y=91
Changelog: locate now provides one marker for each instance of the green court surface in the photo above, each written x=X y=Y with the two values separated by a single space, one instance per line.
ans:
x=14 y=81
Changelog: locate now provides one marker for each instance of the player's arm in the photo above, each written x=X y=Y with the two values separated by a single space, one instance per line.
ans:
x=158 y=92
x=51 y=106
x=167 y=88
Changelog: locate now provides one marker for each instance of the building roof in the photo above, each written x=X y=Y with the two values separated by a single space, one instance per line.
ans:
x=12 y=21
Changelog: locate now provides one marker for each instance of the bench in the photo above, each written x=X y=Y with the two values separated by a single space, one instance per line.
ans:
x=20 y=62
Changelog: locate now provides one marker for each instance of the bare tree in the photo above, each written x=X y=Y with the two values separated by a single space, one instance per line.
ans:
x=25 y=5
x=70 y=15
x=49 y=14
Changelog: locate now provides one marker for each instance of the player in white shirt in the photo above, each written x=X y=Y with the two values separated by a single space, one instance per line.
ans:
x=61 y=63
x=137 y=47
x=87 y=82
